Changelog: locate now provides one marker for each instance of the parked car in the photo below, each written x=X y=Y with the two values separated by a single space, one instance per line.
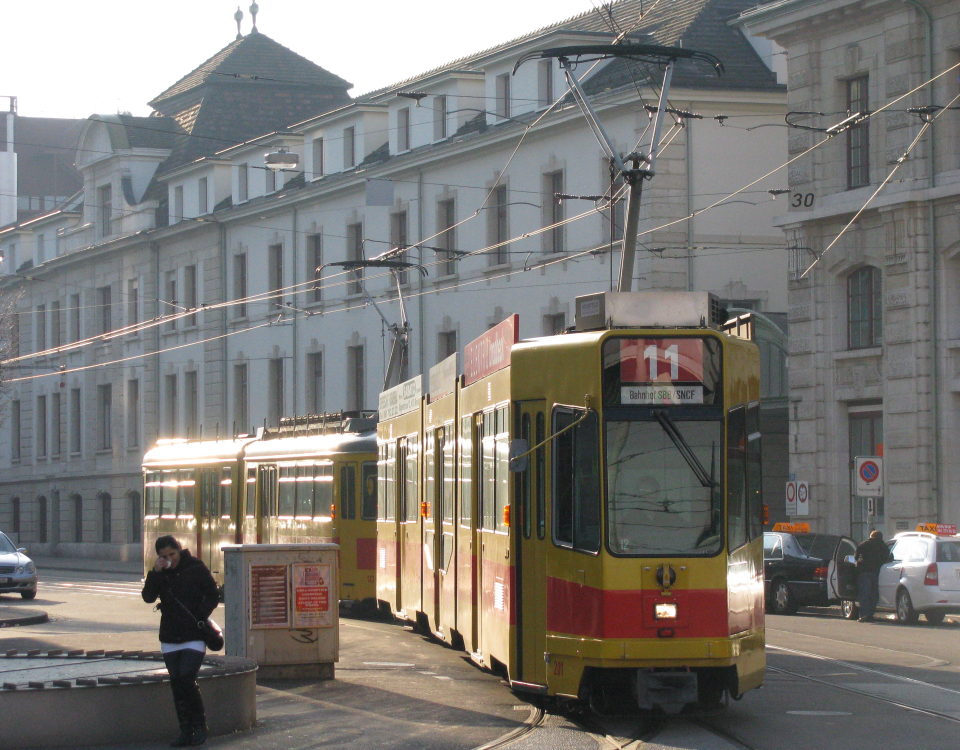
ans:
x=924 y=577
x=802 y=569
x=18 y=574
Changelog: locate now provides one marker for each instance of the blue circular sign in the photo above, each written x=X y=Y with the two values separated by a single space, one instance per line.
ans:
x=869 y=471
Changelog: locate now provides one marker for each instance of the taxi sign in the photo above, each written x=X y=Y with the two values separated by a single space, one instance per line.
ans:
x=940 y=529
x=793 y=528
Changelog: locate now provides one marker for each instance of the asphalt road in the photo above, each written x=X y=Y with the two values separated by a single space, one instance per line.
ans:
x=830 y=683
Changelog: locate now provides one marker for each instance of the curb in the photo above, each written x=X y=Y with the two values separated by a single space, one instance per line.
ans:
x=34 y=618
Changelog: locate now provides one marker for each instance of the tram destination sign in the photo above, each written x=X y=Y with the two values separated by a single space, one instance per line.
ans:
x=661 y=371
x=490 y=351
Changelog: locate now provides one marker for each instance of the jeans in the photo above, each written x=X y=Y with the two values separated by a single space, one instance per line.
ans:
x=868 y=592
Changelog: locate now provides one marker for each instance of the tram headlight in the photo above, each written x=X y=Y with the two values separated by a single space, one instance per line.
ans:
x=665 y=611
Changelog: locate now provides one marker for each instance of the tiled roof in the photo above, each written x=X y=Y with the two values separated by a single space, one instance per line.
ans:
x=695 y=24
x=255 y=57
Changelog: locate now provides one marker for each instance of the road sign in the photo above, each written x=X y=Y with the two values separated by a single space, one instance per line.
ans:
x=803 y=499
x=868 y=476
x=791 y=498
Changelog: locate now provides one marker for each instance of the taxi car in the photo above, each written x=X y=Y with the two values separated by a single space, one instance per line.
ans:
x=801 y=568
x=18 y=574
x=924 y=576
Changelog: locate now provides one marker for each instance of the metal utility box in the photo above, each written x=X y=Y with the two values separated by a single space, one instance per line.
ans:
x=282 y=608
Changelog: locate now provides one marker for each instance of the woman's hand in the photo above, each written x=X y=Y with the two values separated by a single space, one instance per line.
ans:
x=162 y=563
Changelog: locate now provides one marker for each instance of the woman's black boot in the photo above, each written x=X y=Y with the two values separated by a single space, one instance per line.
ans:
x=186 y=737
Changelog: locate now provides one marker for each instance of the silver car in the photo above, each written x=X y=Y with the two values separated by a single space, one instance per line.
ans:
x=924 y=577
x=18 y=574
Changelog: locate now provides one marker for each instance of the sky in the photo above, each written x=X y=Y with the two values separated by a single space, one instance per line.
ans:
x=64 y=58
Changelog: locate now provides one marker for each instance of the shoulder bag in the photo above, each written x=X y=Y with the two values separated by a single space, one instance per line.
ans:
x=210 y=633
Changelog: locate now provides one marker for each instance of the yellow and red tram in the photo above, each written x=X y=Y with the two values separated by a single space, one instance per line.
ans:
x=588 y=506
x=311 y=479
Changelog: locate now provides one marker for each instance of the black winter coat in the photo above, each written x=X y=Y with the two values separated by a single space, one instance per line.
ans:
x=871 y=554
x=192 y=584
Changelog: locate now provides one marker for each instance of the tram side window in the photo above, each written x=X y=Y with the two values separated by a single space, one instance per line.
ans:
x=488 y=468
x=449 y=480
x=523 y=483
x=368 y=504
x=754 y=473
x=321 y=489
x=268 y=490
x=152 y=493
x=186 y=493
x=502 y=467
x=348 y=492
x=303 y=486
x=430 y=490
x=209 y=493
x=251 y=494
x=576 y=481
x=737 y=477
x=466 y=470
x=226 y=492
x=411 y=480
x=386 y=482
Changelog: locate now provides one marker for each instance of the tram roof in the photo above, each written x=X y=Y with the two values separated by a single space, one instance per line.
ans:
x=179 y=451
x=307 y=446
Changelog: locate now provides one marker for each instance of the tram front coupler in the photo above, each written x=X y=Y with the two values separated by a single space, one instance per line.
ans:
x=665 y=690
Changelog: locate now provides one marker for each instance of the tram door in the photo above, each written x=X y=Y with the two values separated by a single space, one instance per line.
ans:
x=410 y=541
x=530 y=554
x=447 y=577
x=466 y=535
x=209 y=501
x=431 y=538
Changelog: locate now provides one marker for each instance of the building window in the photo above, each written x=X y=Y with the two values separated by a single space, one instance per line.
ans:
x=42 y=520
x=858 y=140
x=104 y=417
x=171 y=308
x=446 y=344
x=16 y=431
x=243 y=183
x=41 y=248
x=178 y=204
x=203 y=196
x=106 y=517
x=56 y=425
x=315 y=382
x=447 y=236
x=133 y=301
x=56 y=332
x=349 y=148
x=15 y=520
x=41 y=323
x=864 y=308
x=240 y=399
x=275 y=391
x=133 y=413
x=171 y=424
x=355 y=377
x=315 y=264
x=498 y=229
x=275 y=275
x=105 y=305
x=77 y=518
x=76 y=423
x=503 y=95
x=105 y=205
x=554 y=323
x=553 y=212
x=439 y=117
x=75 y=313
x=403 y=129
x=41 y=426
x=317 y=157
x=545 y=82
x=355 y=252
x=136 y=519
x=240 y=285
x=398 y=240
x=190 y=293
x=191 y=399
x=269 y=181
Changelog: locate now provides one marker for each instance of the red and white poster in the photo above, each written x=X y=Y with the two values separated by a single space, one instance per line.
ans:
x=312 y=600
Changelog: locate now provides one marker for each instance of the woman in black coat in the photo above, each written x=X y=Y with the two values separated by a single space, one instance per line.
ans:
x=178 y=575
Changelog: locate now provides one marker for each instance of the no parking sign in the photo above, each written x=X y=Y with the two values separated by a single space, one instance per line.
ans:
x=868 y=476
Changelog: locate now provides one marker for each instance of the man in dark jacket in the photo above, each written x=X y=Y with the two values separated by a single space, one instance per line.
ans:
x=870 y=556
x=188 y=594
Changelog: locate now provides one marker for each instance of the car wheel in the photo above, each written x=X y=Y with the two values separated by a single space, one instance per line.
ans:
x=850 y=609
x=783 y=601
x=28 y=594
x=905 y=611
x=934 y=618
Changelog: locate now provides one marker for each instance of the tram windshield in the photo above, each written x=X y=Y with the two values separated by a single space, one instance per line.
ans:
x=663 y=493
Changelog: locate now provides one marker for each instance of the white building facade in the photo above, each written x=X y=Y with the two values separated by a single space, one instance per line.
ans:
x=205 y=299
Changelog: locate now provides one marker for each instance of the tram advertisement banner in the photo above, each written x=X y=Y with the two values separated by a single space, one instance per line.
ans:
x=311 y=595
x=661 y=371
x=490 y=351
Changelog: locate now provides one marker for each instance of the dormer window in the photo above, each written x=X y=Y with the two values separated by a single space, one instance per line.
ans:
x=243 y=185
x=317 y=157
x=503 y=95
x=545 y=83
x=202 y=196
x=177 y=204
x=403 y=129
x=105 y=204
x=349 y=148
x=439 y=117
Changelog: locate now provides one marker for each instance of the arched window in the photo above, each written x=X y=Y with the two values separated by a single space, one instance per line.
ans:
x=864 y=309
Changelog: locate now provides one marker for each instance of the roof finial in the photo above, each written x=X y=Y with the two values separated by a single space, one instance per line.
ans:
x=254 y=9
x=238 y=17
